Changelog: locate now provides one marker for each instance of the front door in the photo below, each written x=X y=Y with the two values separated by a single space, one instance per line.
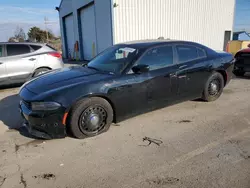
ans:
x=19 y=63
x=161 y=79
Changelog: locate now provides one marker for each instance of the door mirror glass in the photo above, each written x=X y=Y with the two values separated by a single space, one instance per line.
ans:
x=140 y=69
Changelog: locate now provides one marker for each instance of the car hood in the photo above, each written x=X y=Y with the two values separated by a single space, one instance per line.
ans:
x=246 y=50
x=64 y=78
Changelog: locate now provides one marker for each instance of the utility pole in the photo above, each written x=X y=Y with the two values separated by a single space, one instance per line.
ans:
x=46 y=23
x=46 y=28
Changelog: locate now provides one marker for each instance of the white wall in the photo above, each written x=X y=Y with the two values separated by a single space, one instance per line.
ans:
x=203 y=21
x=103 y=21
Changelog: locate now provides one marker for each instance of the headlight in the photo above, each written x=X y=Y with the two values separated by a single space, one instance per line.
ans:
x=41 y=106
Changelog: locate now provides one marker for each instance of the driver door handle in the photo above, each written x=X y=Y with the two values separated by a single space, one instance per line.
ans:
x=32 y=59
x=182 y=66
x=1 y=63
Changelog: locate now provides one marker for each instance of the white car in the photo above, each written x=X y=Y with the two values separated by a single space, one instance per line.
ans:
x=20 y=62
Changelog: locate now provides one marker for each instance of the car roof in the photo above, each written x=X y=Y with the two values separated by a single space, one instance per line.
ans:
x=152 y=43
x=27 y=43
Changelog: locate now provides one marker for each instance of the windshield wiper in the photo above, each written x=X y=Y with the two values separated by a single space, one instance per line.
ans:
x=100 y=70
x=93 y=68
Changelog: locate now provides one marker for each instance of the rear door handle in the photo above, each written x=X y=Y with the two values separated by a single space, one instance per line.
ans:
x=183 y=76
x=32 y=59
x=171 y=75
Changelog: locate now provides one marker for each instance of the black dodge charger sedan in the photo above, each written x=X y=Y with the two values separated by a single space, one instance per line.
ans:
x=122 y=81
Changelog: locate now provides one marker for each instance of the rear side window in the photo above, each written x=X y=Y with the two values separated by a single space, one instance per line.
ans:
x=17 y=49
x=35 y=47
x=186 y=53
x=201 y=53
x=1 y=51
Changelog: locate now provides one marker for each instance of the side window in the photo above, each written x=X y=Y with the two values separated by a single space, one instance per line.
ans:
x=186 y=53
x=1 y=51
x=158 y=58
x=35 y=47
x=17 y=49
x=201 y=53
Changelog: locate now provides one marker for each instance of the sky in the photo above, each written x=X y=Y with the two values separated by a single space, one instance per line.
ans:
x=242 y=15
x=28 y=13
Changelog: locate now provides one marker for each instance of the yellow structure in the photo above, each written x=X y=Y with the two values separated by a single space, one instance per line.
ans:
x=235 y=45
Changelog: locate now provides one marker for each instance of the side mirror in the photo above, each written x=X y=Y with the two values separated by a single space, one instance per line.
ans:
x=248 y=45
x=140 y=69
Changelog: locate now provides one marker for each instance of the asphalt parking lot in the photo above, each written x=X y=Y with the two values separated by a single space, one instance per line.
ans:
x=198 y=145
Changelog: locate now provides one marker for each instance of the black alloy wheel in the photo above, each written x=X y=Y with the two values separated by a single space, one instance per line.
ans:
x=93 y=120
x=213 y=87
x=90 y=117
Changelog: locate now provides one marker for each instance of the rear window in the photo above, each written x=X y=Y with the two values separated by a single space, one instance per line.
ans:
x=35 y=47
x=51 y=47
x=17 y=49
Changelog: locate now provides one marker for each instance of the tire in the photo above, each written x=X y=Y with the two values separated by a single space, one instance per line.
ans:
x=40 y=71
x=213 y=87
x=86 y=111
x=239 y=73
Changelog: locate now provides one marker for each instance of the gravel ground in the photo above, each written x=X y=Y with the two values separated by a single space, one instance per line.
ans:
x=198 y=145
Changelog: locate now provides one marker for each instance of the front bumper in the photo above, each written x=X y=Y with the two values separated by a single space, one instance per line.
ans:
x=242 y=64
x=46 y=125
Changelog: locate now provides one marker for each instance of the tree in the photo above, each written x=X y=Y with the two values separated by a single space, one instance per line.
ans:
x=38 y=35
x=12 y=39
x=19 y=34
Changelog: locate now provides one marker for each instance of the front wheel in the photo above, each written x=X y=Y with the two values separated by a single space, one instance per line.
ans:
x=90 y=117
x=213 y=87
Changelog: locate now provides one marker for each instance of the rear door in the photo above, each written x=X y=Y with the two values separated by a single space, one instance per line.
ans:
x=19 y=62
x=192 y=70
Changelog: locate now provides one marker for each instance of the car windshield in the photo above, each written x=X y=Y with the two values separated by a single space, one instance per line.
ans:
x=114 y=59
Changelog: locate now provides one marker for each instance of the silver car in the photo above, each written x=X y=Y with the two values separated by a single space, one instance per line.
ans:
x=20 y=62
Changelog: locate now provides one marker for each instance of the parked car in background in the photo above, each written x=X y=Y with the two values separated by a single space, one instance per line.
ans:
x=242 y=64
x=21 y=61
x=123 y=81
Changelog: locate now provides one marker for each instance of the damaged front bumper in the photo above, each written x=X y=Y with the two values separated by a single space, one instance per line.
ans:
x=46 y=125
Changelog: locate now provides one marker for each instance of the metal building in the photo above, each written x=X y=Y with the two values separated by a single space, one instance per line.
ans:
x=98 y=24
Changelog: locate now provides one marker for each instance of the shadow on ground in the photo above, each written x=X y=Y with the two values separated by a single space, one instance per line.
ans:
x=10 y=115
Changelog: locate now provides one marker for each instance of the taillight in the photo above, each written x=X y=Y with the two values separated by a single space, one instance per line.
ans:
x=55 y=54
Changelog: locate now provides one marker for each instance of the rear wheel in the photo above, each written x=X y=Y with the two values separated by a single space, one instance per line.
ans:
x=239 y=73
x=213 y=87
x=90 y=117
x=40 y=71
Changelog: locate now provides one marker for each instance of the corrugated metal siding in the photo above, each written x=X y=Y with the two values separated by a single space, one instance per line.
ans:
x=203 y=21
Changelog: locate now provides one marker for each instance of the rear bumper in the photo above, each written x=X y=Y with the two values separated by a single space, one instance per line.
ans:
x=42 y=124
